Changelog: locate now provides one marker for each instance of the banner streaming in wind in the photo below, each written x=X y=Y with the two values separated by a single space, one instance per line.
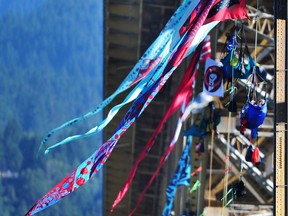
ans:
x=161 y=73
x=180 y=177
x=227 y=9
x=94 y=163
x=162 y=47
x=200 y=35
x=183 y=92
x=203 y=99
x=205 y=50
x=156 y=53
x=194 y=104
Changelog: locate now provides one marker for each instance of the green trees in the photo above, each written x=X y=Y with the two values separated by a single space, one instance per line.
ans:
x=51 y=65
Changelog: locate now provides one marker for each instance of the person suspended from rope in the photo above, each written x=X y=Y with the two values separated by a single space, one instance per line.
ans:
x=205 y=122
x=254 y=111
x=253 y=115
x=239 y=189
x=214 y=117
x=237 y=62
x=261 y=102
x=198 y=129
x=199 y=147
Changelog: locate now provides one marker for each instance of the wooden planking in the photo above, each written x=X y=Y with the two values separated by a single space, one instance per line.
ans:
x=125 y=10
x=280 y=150
x=123 y=26
x=125 y=40
x=123 y=54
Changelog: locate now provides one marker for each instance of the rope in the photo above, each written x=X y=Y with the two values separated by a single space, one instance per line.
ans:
x=227 y=159
x=241 y=163
x=211 y=153
x=211 y=164
x=199 y=189
x=256 y=31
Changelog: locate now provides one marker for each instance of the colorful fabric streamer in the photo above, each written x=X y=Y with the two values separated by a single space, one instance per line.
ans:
x=200 y=35
x=94 y=163
x=166 y=154
x=163 y=159
x=206 y=49
x=227 y=9
x=164 y=44
x=215 y=18
x=142 y=86
x=199 y=169
x=180 y=177
x=162 y=71
x=194 y=104
x=196 y=185
x=184 y=91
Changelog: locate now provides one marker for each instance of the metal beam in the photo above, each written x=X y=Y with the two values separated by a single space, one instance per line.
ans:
x=250 y=187
x=280 y=149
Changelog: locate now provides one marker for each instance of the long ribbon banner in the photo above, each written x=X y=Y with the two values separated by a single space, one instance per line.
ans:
x=203 y=31
x=80 y=175
x=201 y=34
x=184 y=90
x=164 y=44
x=162 y=161
x=143 y=84
x=238 y=11
x=94 y=163
x=180 y=177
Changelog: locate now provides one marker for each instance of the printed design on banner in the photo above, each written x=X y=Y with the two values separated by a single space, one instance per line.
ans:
x=213 y=78
x=222 y=5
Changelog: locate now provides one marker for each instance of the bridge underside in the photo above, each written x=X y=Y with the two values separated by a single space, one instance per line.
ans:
x=131 y=27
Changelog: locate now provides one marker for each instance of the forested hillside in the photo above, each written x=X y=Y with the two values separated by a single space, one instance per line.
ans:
x=51 y=70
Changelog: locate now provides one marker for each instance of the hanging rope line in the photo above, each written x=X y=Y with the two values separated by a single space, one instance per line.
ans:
x=241 y=164
x=256 y=31
x=211 y=156
x=227 y=159
x=211 y=166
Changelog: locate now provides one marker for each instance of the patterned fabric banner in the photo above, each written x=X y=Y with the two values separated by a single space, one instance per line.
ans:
x=177 y=50
x=227 y=9
x=94 y=163
x=192 y=105
x=181 y=176
x=165 y=43
x=183 y=92
x=133 y=94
